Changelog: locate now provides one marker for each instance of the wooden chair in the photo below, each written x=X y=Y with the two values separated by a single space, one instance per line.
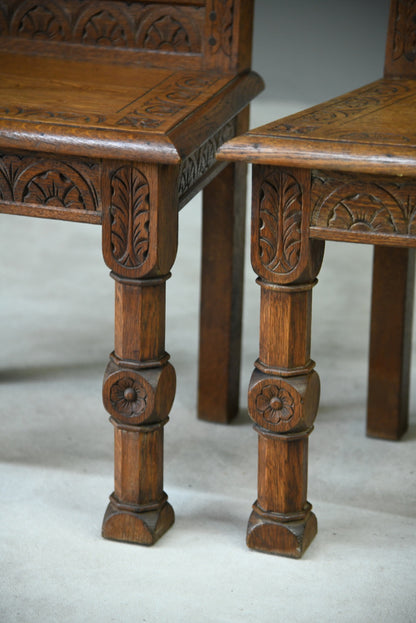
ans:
x=344 y=170
x=111 y=113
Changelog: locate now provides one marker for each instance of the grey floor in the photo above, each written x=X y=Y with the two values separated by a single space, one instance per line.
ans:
x=56 y=447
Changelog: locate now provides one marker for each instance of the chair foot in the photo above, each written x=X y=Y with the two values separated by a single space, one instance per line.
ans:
x=272 y=534
x=133 y=525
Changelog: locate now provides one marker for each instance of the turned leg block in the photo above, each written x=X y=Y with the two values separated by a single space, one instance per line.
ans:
x=135 y=525
x=274 y=534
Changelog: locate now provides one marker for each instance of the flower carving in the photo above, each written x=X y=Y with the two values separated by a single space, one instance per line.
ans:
x=128 y=397
x=275 y=404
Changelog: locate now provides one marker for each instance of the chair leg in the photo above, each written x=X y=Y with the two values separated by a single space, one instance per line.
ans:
x=283 y=395
x=139 y=245
x=224 y=204
x=390 y=342
x=138 y=391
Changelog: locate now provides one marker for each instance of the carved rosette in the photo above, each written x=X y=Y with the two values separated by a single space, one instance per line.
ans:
x=364 y=205
x=130 y=217
x=283 y=405
x=135 y=396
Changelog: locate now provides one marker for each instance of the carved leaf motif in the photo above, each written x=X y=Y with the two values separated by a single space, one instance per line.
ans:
x=48 y=182
x=167 y=33
x=104 y=29
x=368 y=205
x=362 y=212
x=280 y=222
x=40 y=22
x=130 y=217
x=199 y=162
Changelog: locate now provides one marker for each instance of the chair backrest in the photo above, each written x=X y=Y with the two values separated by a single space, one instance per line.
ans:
x=401 y=40
x=193 y=34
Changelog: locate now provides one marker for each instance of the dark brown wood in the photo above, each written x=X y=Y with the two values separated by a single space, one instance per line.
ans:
x=111 y=113
x=224 y=208
x=343 y=170
x=390 y=342
x=284 y=388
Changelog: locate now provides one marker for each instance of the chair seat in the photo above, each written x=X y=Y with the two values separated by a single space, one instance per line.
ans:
x=102 y=109
x=369 y=130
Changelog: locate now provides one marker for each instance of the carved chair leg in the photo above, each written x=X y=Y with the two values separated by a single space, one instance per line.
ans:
x=283 y=402
x=138 y=392
x=284 y=389
x=140 y=226
x=390 y=342
x=224 y=208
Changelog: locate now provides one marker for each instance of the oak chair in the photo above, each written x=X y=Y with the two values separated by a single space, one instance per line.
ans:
x=343 y=170
x=111 y=113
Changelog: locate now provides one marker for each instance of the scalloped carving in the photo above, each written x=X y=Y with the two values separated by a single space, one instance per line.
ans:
x=367 y=205
x=49 y=182
x=120 y=24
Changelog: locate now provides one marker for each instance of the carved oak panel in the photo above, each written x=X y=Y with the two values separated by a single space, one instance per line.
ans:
x=67 y=189
x=365 y=205
x=119 y=24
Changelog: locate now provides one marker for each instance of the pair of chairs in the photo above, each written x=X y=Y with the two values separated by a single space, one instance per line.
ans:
x=112 y=113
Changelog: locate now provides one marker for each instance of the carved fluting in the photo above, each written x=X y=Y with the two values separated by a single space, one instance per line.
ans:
x=370 y=204
x=118 y=24
x=283 y=405
x=221 y=31
x=68 y=185
x=136 y=396
x=280 y=222
x=130 y=216
x=198 y=163
x=404 y=40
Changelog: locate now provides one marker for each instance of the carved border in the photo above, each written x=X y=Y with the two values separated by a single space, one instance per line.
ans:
x=153 y=112
x=197 y=164
x=69 y=187
x=366 y=205
x=157 y=27
x=343 y=109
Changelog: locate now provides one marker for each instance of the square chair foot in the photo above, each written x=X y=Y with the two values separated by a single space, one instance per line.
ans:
x=143 y=527
x=269 y=534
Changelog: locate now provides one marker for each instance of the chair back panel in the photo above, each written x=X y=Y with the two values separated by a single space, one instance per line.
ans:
x=401 y=40
x=211 y=34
